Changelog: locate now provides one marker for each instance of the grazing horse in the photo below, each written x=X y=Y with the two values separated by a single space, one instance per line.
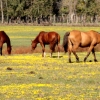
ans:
x=47 y=38
x=74 y=39
x=4 y=39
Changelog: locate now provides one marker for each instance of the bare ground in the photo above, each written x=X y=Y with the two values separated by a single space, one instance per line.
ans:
x=27 y=50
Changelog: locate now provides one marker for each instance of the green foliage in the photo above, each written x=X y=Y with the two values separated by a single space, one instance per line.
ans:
x=29 y=7
x=11 y=7
x=80 y=7
x=64 y=10
x=91 y=7
x=37 y=8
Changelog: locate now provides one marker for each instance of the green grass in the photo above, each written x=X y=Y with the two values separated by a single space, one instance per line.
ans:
x=31 y=77
x=22 y=35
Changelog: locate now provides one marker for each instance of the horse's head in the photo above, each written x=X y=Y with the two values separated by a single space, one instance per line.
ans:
x=33 y=44
x=9 y=48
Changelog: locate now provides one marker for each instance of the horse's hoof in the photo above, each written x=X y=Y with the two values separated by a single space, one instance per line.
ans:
x=84 y=59
x=77 y=60
x=70 y=61
x=90 y=60
x=95 y=60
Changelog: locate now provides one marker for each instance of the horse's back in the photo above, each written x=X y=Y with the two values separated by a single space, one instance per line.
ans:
x=79 y=38
x=93 y=34
x=54 y=36
x=83 y=38
x=48 y=37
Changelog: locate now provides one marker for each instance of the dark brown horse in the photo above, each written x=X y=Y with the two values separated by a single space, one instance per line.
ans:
x=47 y=38
x=74 y=39
x=4 y=39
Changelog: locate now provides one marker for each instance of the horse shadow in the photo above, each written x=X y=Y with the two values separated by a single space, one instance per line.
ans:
x=55 y=56
x=83 y=61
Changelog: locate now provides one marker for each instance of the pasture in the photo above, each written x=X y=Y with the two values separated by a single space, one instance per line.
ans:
x=27 y=76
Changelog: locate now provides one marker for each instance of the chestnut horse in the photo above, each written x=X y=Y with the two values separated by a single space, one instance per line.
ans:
x=74 y=39
x=47 y=38
x=4 y=39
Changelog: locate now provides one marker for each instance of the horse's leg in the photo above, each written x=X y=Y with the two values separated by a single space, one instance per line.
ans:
x=93 y=52
x=77 y=58
x=89 y=51
x=44 y=53
x=52 y=48
x=1 y=45
x=50 y=51
x=58 y=50
x=1 y=51
x=74 y=52
x=43 y=50
x=69 y=52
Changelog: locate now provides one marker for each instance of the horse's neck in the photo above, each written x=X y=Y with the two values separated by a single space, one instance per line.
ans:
x=36 y=40
x=8 y=42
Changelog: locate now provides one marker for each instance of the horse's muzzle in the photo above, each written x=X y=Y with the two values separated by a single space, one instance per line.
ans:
x=32 y=50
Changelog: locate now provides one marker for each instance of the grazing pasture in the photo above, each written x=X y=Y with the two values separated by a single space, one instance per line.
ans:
x=21 y=36
x=28 y=76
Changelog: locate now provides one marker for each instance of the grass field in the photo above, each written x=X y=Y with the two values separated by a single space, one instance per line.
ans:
x=28 y=76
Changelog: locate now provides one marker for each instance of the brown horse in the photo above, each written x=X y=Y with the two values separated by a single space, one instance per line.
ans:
x=4 y=39
x=74 y=39
x=47 y=38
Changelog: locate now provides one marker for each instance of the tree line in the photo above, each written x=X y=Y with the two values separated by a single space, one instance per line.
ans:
x=50 y=11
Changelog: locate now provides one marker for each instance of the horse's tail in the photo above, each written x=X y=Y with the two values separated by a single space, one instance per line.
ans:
x=65 y=41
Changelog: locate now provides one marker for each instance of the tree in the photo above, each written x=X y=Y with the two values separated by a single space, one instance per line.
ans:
x=80 y=7
x=29 y=10
x=2 y=14
x=91 y=9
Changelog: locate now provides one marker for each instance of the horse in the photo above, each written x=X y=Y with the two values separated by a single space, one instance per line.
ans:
x=74 y=39
x=47 y=38
x=5 y=39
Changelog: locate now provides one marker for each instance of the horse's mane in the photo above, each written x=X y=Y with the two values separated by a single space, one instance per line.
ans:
x=35 y=40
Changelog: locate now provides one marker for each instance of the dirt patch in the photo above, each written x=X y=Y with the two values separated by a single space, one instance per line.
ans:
x=26 y=50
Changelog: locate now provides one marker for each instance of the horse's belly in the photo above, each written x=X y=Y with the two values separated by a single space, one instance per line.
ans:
x=85 y=43
x=46 y=42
